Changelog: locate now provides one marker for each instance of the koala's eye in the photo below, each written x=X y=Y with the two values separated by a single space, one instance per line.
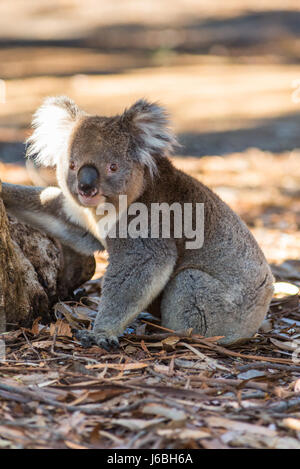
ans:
x=72 y=165
x=113 y=167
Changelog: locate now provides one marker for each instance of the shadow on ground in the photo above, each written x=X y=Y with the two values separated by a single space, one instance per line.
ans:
x=276 y=135
x=272 y=35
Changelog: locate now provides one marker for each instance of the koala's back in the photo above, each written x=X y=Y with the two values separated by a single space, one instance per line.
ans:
x=225 y=287
x=229 y=252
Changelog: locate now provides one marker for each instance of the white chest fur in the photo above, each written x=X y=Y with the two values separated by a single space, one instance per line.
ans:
x=99 y=222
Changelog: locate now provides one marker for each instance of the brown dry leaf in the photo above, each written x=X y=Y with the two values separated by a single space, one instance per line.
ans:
x=81 y=398
x=154 y=344
x=164 y=411
x=70 y=315
x=211 y=363
x=180 y=363
x=215 y=338
x=94 y=435
x=290 y=346
x=35 y=326
x=104 y=394
x=70 y=424
x=169 y=343
x=11 y=336
x=293 y=424
x=214 y=443
x=164 y=369
x=14 y=433
x=259 y=441
x=64 y=346
x=72 y=445
x=297 y=386
x=183 y=434
x=130 y=349
x=117 y=366
x=136 y=424
x=250 y=374
x=61 y=328
x=7 y=444
x=44 y=344
x=37 y=378
x=83 y=312
x=237 y=426
x=144 y=347
x=281 y=392
x=284 y=443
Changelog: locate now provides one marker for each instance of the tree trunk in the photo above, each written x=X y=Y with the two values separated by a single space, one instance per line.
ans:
x=35 y=271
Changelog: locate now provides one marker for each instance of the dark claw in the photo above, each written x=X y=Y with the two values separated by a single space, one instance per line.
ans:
x=89 y=338
x=115 y=343
x=101 y=342
x=107 y=343
x=86 y=338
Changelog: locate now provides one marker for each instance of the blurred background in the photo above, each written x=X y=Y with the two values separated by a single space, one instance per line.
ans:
x=228 y=72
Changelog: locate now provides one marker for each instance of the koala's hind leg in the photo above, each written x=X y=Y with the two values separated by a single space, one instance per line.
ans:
x=194 y=299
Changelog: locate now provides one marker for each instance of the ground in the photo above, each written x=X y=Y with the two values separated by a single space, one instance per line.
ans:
x=229 y=74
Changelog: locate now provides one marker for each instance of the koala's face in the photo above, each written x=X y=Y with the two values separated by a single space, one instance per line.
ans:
x=100 y=167
x=100 y=158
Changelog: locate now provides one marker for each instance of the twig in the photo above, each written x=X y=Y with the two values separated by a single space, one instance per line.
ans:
x=211 y=363
x=231 y=353
x=240 y=383
x=158 y=327
x=30 y=345
x=263 y=366
x=157 y=336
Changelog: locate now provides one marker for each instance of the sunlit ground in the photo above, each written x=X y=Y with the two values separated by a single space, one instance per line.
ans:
x=227 y=72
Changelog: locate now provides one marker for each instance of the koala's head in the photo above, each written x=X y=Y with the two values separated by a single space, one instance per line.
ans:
x=99 y=158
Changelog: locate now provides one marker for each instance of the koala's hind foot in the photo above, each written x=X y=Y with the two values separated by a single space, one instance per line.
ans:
x=194 y=299
x=89 y=338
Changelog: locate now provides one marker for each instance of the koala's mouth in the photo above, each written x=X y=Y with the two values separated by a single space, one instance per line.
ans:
x=91 y=200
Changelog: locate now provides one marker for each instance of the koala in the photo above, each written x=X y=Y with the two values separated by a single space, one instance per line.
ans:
x=221 y=288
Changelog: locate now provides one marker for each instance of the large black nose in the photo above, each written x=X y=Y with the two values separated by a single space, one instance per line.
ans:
x=88 y=178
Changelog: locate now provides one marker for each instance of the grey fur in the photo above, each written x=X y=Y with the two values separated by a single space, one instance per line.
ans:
x=222 y=289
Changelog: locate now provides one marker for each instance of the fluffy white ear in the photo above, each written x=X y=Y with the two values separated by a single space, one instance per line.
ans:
x=149 y=128
x=53 y=123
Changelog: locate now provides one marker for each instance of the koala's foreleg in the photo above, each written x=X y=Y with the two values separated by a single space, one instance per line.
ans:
x=138 y=270
x=44 y=209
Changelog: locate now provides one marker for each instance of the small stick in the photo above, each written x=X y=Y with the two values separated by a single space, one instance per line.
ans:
x=158 y=327
x=30 y=345
x=263 y=366
x=231 y=353
x=232 y=382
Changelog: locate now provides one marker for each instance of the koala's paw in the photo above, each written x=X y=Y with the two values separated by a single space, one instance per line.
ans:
x=103 y=340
